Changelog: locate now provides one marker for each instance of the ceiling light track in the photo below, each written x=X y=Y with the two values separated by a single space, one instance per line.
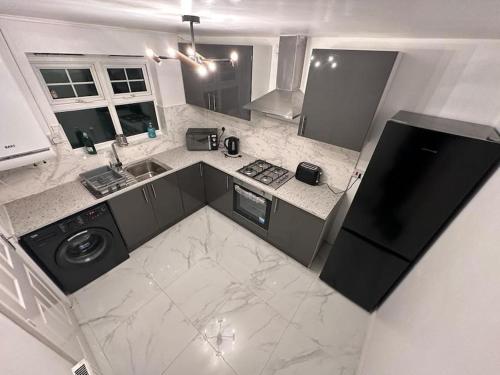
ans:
x=203 y=65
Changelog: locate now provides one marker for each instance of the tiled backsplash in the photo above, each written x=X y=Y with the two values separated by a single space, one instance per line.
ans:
x=263 y=137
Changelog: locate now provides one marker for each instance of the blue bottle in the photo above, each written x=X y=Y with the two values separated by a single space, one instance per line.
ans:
x=151 y=130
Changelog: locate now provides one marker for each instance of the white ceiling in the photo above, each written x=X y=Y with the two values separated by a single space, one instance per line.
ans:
x=394 y=18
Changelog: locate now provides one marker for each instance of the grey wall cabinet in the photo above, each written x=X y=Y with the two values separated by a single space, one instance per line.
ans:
x=192 y=188
x=344 y=88
x=294 y=231
x=218 y=190
x=227 y=89
x=134 y=215
x=166 y=200
x=143 y=212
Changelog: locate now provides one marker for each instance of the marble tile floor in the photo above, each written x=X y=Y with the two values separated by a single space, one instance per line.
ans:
x=159 y=313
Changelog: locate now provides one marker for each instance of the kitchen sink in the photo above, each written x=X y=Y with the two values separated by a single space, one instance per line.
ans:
x=145 y=169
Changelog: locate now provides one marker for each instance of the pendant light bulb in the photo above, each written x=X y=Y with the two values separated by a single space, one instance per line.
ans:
x=212 y=66
x=171 y=52
x=202 y=70
x=234 y=56
x=190 y=52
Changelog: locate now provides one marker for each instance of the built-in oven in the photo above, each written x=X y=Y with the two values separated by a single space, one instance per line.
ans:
x=252 y=207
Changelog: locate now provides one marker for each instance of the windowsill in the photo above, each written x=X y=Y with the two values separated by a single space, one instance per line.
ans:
x=133 y=140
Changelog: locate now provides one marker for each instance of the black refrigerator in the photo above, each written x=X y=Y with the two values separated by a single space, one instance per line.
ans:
x=422 y=172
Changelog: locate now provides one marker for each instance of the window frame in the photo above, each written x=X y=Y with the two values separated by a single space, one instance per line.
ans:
x=65 y=66
x=125 y=66
x=98 y=65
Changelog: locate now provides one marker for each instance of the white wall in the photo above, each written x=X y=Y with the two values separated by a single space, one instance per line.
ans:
x=31 y=36
x=21 y=353
x=444 y=318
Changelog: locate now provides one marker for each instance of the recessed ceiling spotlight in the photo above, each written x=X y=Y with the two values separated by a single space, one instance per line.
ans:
x=334 y=65
x=312 y=57
x=317 y=64
x=330 y=58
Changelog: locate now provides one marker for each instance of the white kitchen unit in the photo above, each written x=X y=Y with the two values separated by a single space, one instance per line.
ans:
x=22 y=140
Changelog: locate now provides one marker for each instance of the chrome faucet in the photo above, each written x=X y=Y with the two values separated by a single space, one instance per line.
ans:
x=121 y=141
x=118 y=164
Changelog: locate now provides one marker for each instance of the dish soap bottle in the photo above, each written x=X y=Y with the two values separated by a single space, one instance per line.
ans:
x=88 y=143
x=151 y=130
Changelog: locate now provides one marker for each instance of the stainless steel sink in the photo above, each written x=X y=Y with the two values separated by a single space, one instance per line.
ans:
x=145 y=169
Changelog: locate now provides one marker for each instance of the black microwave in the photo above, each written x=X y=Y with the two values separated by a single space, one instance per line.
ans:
x=202 y=139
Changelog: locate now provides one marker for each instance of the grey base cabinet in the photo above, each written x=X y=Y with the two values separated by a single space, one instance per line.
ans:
x=192 y=188
x=143 y=212
x=294 y=231
x=166 y=201
x=218 y=190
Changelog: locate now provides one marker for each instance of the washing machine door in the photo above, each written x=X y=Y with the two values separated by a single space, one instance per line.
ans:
x=84 y=247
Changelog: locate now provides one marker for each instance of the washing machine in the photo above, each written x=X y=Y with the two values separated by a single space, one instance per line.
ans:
x=78 y=249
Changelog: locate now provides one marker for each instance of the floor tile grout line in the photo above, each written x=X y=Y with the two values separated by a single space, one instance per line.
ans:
x=100 y=349
x=200 y=334
x=289 y=323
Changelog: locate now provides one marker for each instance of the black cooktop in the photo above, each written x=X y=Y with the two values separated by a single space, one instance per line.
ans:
x=266 y=173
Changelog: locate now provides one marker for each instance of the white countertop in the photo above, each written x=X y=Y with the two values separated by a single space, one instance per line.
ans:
x=38 y=210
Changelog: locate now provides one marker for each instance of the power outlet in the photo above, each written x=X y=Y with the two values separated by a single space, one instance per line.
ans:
x=357 y=173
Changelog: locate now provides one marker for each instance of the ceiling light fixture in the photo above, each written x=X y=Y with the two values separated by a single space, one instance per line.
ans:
x=203 y=65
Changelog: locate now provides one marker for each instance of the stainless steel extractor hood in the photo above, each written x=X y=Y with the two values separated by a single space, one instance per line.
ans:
x=286 y=100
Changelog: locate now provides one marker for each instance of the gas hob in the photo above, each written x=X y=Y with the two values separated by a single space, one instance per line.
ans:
x=266 y=173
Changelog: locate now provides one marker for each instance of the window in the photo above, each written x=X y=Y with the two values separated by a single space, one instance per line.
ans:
x=96 y=122
x=127 y=80
x=135 y=118
x=101 y=96
x=69 y=84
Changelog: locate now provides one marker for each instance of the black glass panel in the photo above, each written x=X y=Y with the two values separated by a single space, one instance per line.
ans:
x=96 y=122
x=134 y=118
x=137 y=86
x=116 y=74
x=120 y=87
x=80 y=75
x=61 y=91
x=134 y=73
x=87 y=89
x=54 y=75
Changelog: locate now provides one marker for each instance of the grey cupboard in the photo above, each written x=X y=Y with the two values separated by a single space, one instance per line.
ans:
x=218 y=190
x=142 y=212
x=294 y=231
x=343 y=91
x=192 y=188
x=228 y=88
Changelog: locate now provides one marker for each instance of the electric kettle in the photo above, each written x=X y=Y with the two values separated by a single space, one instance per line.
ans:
x=232 y=145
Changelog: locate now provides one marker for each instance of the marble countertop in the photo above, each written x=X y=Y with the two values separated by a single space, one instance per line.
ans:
x=38 y=210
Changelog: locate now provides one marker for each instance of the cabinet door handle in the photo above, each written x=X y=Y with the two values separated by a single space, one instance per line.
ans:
x=227 y=183
x=145 y=195
x=209 y=101
x=215 y=103
x=276 y=206
x=304 y=123
x=153 y=189
x=201 y=170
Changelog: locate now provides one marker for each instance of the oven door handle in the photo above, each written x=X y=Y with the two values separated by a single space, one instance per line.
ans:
x=247 y=194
